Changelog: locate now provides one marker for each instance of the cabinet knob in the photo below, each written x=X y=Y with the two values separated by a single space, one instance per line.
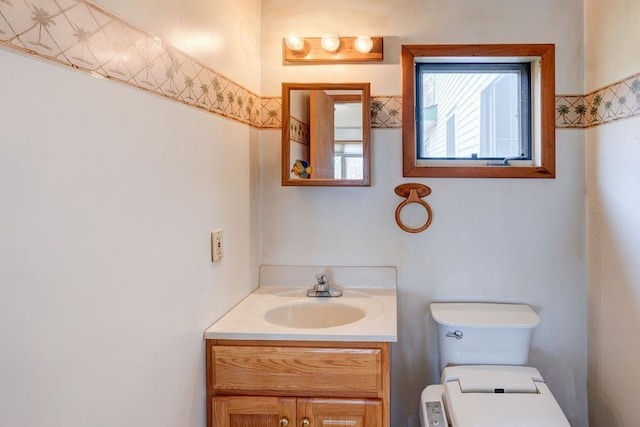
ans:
x=284 y=422
x=305 y=422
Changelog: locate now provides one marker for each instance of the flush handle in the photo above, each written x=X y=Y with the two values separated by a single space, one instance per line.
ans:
x=457 y=334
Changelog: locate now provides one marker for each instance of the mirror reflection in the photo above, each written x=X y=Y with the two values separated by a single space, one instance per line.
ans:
x=325 y=134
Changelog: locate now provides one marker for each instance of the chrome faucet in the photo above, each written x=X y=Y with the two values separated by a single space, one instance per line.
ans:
x=322 y=288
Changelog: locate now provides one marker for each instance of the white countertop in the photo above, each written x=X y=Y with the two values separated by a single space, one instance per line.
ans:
x=247 y=320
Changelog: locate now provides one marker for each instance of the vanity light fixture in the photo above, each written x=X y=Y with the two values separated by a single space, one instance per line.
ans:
x=330 y=48
x=363 y=44
x=294 y=42
x=330 y=42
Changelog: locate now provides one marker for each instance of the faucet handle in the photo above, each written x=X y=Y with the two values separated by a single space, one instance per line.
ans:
x=322 y=279
x=322 y=288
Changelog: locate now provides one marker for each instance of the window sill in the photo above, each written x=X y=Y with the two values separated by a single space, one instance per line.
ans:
x=478 y=172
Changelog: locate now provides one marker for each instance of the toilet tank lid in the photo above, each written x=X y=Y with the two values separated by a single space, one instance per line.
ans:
x=475 y=314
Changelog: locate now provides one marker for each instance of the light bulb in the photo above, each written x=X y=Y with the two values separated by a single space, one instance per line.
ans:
x=363 y=44
x=330 y=42
x=294 y=42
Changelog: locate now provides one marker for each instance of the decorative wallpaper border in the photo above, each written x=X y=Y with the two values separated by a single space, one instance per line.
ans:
x=386 y=111
x=270 y=113
x=298 y=131
x=86 y=37
x=619 y=100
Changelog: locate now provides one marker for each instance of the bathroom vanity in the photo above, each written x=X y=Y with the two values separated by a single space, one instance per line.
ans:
x=297 y=382
x=280 y=358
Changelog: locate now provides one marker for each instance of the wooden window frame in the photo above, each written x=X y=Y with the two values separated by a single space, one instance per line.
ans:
x=543 y=122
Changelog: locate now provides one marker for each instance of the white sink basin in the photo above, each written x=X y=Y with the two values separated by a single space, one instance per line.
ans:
x=313 y=314
x=279 y=309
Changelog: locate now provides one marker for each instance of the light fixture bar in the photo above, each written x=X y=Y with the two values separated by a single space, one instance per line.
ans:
x=312 y=52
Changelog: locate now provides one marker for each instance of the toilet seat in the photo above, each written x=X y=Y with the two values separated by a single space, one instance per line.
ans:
x=499 y=396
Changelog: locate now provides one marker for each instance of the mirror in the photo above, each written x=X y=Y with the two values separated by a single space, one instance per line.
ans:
x=325 y=134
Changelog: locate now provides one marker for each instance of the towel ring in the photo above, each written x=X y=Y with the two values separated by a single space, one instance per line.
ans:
x=413 y=193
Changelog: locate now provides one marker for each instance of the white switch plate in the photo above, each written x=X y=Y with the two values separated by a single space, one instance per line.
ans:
x=217 y=245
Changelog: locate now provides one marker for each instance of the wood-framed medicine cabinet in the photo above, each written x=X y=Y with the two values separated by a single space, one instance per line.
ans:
x=326 y=131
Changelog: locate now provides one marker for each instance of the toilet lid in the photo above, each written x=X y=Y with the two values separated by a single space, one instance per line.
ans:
x=495 y=396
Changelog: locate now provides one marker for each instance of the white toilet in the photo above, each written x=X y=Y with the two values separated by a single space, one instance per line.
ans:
x=482 y=347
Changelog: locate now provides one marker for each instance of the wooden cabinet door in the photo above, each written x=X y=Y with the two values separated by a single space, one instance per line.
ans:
x=322 y=134
x=253 y=411
x=340 y=412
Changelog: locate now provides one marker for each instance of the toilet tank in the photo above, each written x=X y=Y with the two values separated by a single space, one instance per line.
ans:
x=484 y=333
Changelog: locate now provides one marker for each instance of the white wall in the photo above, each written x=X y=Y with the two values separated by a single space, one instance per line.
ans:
x=503 y=240
x=108 y=197
x=613 y=203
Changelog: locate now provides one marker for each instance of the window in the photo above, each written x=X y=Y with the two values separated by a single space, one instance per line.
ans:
x=480 y=111
x=492 y=101
x=348 y=161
